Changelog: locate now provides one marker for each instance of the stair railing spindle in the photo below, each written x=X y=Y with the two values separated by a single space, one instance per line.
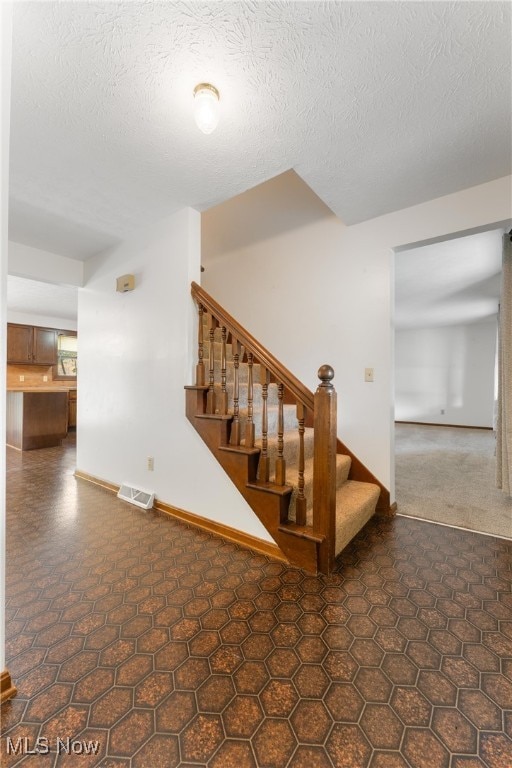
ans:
x=235 y=426
x=300 y=506
x=280 y=461
x=249 y=427
x=200 y=373
x=264 y=469
x=210 y=398
x=223 y=400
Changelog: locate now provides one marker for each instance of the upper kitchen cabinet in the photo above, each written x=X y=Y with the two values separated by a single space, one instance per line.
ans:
x=31 y=345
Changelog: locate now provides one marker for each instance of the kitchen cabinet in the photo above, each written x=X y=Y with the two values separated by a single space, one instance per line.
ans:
x=36 y=418
x=72 y=408
x=27 y=344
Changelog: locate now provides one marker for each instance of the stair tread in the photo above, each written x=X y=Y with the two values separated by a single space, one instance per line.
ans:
x=239 y=449
x=279 y=490
x=217 y=416
x=301 y=531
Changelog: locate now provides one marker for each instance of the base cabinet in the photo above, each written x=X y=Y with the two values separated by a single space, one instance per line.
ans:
x=72 y=408
x=36 y=419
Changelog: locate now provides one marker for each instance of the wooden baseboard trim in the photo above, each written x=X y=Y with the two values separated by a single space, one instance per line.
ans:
x=387 y=511
x=225 y=531
x=434 y=424
x=7 y=689
x=97 y=481
x=219 y=529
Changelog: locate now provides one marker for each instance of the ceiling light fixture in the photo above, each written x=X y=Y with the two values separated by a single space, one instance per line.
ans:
x=206 y=107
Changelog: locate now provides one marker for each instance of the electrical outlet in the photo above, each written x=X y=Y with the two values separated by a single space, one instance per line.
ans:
x=45 y=378
x=22 y=378
x=368 y=374
x=442 y=411
x=151 y=463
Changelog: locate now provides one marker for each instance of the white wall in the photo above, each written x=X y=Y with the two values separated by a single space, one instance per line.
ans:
x=45 y=321
x=36 y=264
x=137 y=351
x=323 y=293
x=6 y=47
x=445 y=375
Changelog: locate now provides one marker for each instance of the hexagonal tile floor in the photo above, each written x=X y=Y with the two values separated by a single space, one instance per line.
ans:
x=135 y=640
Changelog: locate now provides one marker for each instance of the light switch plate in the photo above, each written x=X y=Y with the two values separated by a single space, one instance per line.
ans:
x=368 y=374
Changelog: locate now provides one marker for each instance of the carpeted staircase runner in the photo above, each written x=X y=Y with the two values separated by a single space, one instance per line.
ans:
x=355 y=501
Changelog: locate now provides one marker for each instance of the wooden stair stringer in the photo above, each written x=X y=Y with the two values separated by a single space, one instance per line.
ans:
x=269 y=502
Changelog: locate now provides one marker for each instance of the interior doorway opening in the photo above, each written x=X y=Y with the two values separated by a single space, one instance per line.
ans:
x=446 y=314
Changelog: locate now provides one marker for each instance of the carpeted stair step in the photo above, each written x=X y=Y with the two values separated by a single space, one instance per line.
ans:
x=229 y=362
x=290 y=446
x=292 y=477
x=289 y=418
x=355 y=504
x=217 y=347
x=230 y=367
x=257 y=397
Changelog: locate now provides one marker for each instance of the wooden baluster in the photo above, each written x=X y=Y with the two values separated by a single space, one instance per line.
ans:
x=324 y=468
x=249 y=427
x=264 y=468
x=200 y=374
x=222 y=405
x=210 y=399
x=235 y=426
x=280 y=461
x=300 y=504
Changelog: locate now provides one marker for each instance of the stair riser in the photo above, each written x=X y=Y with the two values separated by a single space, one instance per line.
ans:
x=290 y=447
x=290 y=421
x=292 y=477
x=257 y=396
x=217 y=351
x=243 y=371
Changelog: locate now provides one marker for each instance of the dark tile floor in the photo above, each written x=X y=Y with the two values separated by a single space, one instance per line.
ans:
x=170 y=647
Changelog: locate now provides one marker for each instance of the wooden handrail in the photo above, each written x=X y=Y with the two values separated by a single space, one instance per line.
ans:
x=301 y=393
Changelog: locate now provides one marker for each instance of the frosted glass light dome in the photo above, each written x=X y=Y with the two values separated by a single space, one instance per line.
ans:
x=206 y=107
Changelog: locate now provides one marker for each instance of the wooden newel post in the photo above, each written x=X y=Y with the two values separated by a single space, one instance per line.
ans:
x=324 y=466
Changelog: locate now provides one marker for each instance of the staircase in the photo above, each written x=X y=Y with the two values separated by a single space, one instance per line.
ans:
x=277 y=442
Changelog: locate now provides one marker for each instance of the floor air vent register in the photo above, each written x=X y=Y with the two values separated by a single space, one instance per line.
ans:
x=136 y=496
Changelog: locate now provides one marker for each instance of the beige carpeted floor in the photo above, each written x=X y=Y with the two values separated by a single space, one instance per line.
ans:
x=446 y=474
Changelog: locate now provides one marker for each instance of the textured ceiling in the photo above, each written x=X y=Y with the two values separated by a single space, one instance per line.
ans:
x=377 y=106
x=449 y=283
